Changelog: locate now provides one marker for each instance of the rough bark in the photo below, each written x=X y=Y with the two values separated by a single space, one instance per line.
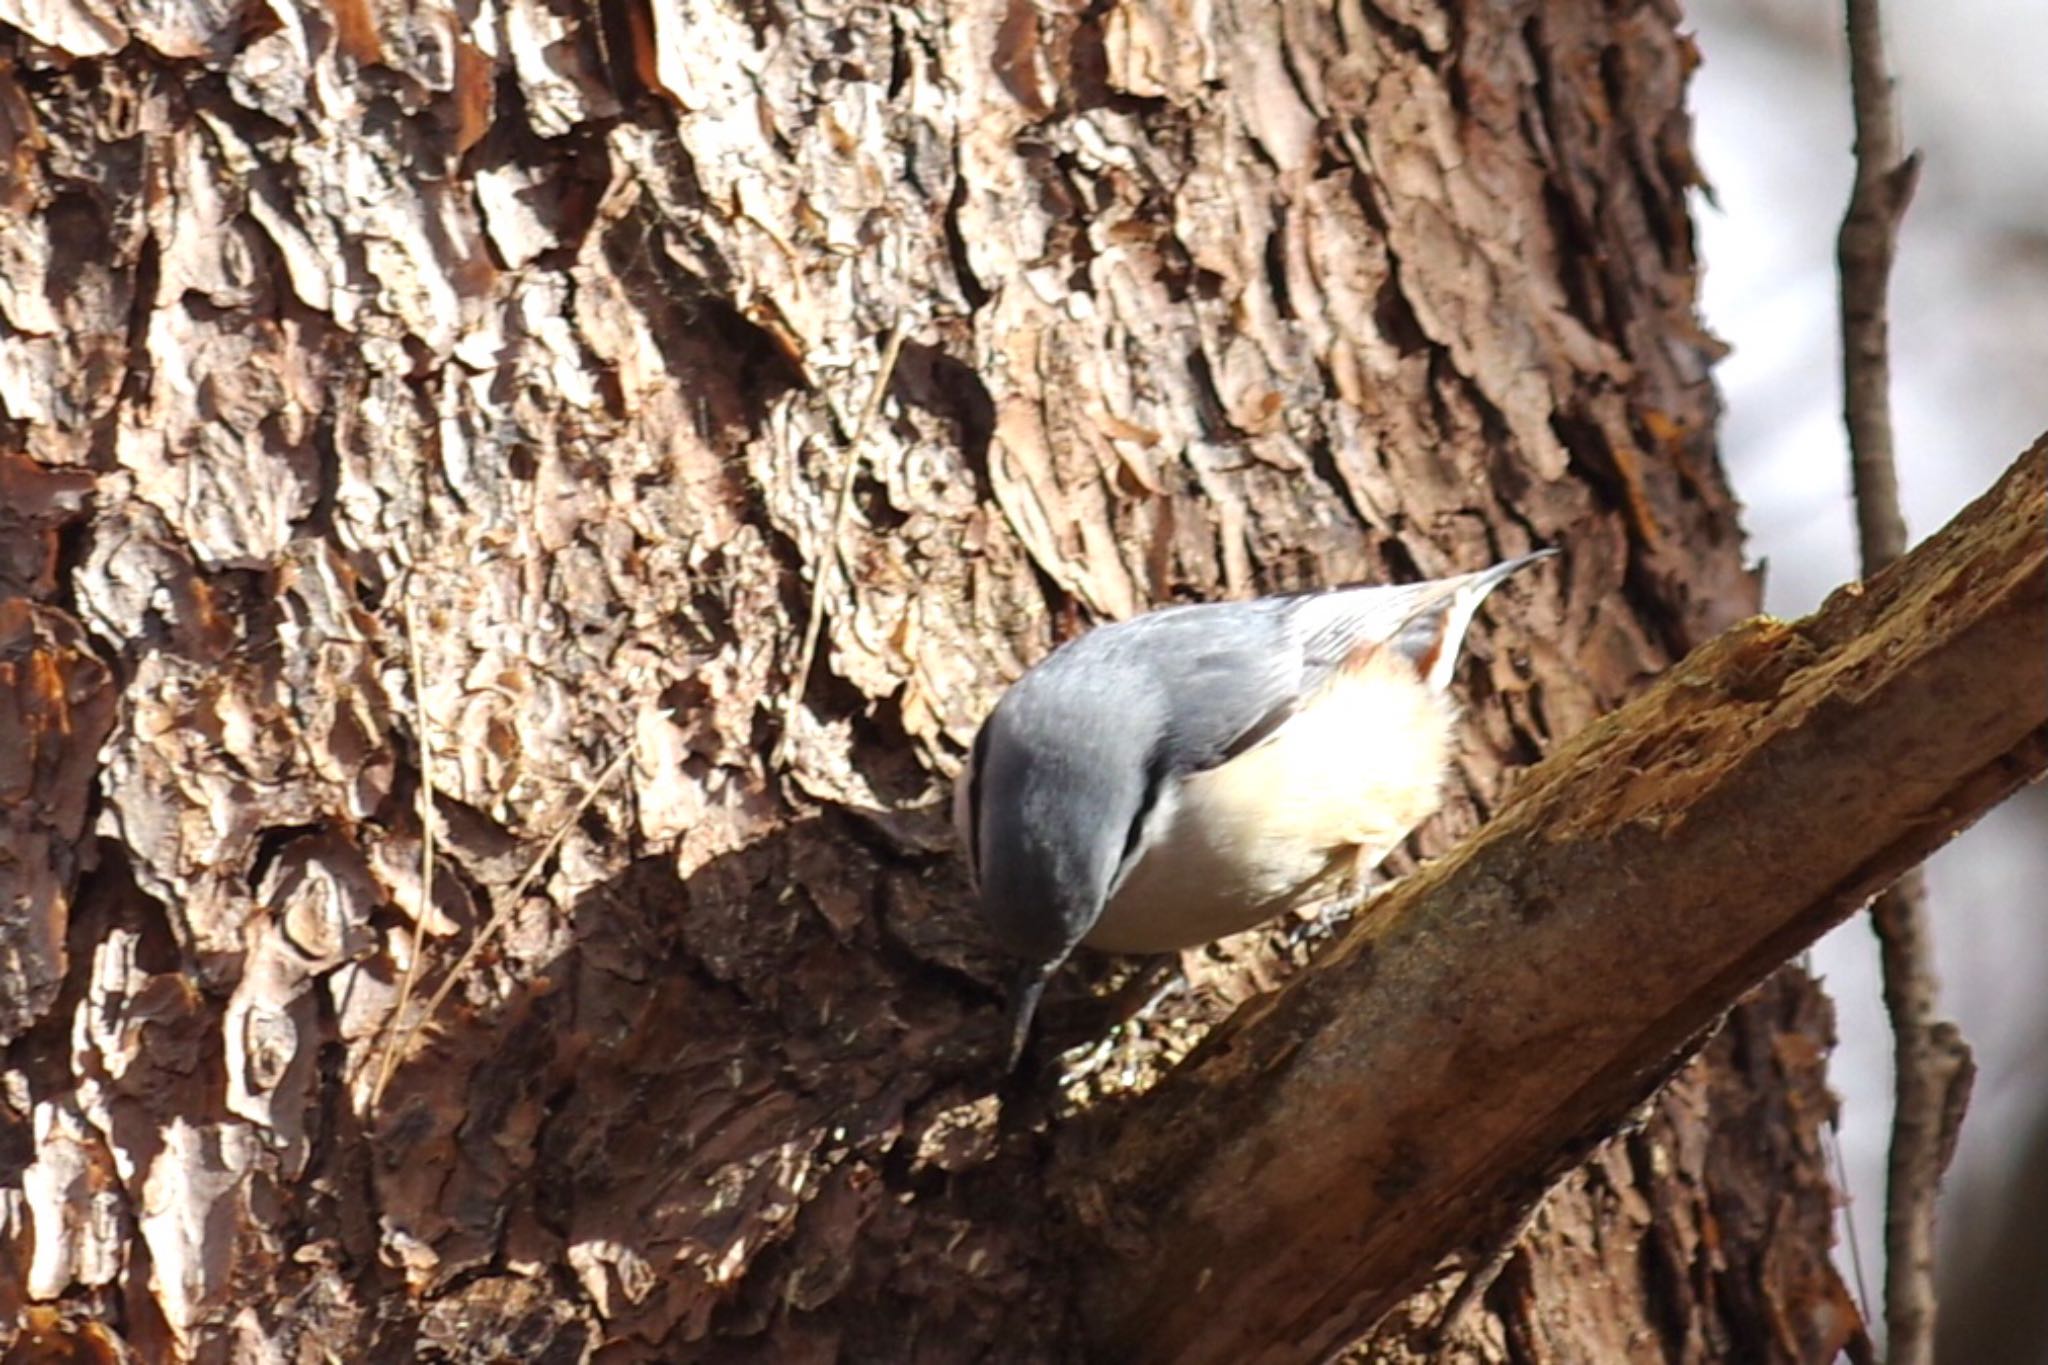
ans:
x=1328 y=1145
x=544 y=328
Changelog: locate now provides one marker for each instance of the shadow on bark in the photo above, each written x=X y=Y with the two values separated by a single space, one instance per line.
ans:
x=747 y=1112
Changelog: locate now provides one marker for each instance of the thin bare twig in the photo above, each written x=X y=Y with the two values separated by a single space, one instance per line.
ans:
x=1840 y=1169
x=821 y=584
x=1869 y=240
x=1931 y=1063
x=500 y=913
x=1932 y=1074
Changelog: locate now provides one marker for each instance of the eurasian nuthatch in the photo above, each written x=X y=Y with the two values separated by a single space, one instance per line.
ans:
x=1164 y=781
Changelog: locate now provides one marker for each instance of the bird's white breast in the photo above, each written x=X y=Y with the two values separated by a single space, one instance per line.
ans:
x=1291 y=820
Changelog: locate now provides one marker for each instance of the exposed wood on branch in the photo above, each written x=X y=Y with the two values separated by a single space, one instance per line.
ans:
x=1515 y=999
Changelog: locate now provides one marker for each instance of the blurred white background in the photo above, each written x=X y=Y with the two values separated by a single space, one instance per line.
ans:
x=1970 y=373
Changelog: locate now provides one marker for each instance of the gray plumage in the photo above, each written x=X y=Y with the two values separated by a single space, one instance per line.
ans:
x=1128 y=743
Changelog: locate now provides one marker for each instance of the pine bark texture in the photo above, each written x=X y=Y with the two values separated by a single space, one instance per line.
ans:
x=459 y=396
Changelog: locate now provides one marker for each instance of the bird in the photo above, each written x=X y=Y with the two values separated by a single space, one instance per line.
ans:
x=1161 y=782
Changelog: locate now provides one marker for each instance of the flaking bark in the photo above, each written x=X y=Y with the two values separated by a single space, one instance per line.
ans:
x=547 y=326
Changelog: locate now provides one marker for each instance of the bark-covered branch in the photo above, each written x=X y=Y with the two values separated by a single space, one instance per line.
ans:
x=1512 y=1001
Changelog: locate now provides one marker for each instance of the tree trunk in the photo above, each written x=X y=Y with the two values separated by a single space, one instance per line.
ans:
x=421 y=408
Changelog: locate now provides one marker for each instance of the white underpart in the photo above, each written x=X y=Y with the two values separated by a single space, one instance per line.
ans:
x=1291 y=821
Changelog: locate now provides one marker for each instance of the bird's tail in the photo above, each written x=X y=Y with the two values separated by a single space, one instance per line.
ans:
x=1432 y=635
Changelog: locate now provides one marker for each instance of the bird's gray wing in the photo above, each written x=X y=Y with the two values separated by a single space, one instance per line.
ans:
x=1234 y=669
x=1241 y=669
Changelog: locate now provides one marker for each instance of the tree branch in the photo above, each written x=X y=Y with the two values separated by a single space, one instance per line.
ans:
x=1864 y=250
x=1931 y=1064
x=1502 y=1009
